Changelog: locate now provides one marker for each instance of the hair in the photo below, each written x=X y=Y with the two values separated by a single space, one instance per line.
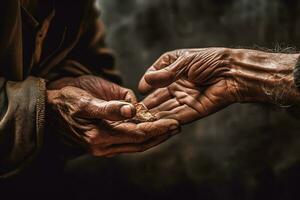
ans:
x=278 y=48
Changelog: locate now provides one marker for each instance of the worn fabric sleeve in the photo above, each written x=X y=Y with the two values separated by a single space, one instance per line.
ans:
x=22 y=107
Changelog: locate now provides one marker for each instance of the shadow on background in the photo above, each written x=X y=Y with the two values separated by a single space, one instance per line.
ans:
x=243 y=152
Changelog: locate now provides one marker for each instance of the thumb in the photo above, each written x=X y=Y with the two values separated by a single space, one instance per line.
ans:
x=109 y=110
x=154 y=79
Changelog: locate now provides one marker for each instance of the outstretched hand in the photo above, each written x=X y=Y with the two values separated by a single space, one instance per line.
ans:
x=189 y=84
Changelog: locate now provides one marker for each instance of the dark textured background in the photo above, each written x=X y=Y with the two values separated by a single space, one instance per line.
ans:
x=243 y=152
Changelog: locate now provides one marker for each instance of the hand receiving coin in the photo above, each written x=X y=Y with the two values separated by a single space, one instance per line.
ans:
x=142 y=114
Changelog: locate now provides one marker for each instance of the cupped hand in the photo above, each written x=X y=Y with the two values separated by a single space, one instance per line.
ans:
x=93 y=112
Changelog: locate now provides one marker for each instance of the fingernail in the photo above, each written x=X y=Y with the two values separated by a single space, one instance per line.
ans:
x=126 y=111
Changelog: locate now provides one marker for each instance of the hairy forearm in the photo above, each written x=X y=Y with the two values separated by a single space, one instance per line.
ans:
x=263 y=76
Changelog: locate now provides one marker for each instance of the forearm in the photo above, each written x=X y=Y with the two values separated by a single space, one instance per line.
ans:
x=263 y=76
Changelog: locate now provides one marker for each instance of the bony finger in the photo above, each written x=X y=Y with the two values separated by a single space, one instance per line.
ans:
x=140 y=133
x=159 y=127
x=166 y=76
x=144 y=87
x=156 y=98
x=160 y=78
x=128 y=148
x=129 y=143
x=165 y=106
x=130 y=97
x=110 y=110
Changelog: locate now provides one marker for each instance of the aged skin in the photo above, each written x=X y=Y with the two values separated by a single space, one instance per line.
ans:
x=93 y=113
x=194 y=83
x=94 y=84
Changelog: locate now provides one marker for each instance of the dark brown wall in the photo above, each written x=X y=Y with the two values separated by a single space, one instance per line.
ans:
x=244 y=152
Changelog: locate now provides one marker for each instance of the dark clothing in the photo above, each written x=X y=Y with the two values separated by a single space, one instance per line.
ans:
x=63 y=38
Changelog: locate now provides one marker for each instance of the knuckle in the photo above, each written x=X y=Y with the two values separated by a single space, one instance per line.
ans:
x=82 y=105
x=187 y=54
x=166 y=54
x=225 y=53
x=92 y=138
x=175 y=52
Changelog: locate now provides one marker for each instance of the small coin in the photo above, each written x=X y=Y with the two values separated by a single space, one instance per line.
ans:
x=142 y=114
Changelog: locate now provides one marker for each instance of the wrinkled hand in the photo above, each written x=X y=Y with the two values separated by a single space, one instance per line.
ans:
x=194 y=83
x=93 y=113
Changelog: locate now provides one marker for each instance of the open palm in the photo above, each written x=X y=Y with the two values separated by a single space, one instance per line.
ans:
x=186 y=102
